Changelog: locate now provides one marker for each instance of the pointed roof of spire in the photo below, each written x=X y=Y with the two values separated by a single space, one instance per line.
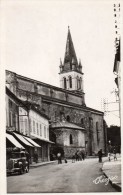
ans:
x=80 y=64
x=70 y=54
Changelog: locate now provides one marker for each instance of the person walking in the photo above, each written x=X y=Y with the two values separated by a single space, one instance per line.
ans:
x=83 y=155
x=100 y=155
x=109 y=155
x=73 y=158
x=114 y=152
x=28 y=158
x=77 y=156
x=59 y=158
x=65 y=160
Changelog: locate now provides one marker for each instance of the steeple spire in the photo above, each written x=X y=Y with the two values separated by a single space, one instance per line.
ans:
x=80 y=66
x=70 y=55
x=71 y=76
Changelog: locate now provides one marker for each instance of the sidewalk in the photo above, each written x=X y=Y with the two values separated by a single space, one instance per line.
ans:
x=112 y=170
x=34 y=165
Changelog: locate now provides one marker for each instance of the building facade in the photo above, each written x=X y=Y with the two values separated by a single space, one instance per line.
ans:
x=39 y=132
x=27 y=128
x=73 y=125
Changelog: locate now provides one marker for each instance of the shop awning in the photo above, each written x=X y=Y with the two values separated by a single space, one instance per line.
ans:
x=22 y=139
x=44 y=140
x=32 y=142
x=14 y=141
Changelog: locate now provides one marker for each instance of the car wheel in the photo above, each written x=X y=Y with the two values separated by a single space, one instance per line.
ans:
x=21 y=171
x=27 y=169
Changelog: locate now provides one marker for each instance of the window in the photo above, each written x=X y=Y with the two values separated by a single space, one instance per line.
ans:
x=13 y=119
x=71 y=66
x=90 y=122
x=47 y=132
x=26 y=130
x=21 y=123
x=80 y=83
x=53 y=137
x=68 y=118
x=70 y=82
x=10 y=119
x=33 y=126
x=37 y=130
x=16 y=121
x=77 y=79
x=44 y=131
x=10 y=103
x=65 y=83
x=30 y=125
x=82 y=121
x=71 y=139
x=40 y=130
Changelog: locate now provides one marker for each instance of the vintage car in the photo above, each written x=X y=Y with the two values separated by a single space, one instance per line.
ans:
x=17 y=163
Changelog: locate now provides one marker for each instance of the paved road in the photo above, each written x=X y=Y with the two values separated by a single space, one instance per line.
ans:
x=71 y=177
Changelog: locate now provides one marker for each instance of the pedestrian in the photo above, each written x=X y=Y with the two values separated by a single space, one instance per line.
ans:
x=59 y=158
x=100 y=155
x=73 y=158
x=114 y=152
x=27 y=158
x=109 y=155
x=77 y=156
x=83 y=155
x=65 y=160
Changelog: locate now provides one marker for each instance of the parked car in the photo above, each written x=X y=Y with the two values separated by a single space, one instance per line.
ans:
x=17 y=163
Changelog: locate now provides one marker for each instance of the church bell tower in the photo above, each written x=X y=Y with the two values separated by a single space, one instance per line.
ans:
x=71 y=76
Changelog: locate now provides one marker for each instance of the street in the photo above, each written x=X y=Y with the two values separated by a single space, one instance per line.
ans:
x=75 y=177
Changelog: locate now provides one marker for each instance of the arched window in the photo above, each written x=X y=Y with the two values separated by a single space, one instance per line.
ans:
x=70 y=82
x=65 y=83
x=71 y=66
x=77 y=80
x=80 y=83
x=82 y=121
x=68 y=118
x=53 y=136
x=71 y=139
x=97 y=131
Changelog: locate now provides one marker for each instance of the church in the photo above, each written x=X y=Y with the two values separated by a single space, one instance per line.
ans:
x=73 y=125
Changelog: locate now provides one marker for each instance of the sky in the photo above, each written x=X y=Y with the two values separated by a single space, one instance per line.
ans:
x=35 y=34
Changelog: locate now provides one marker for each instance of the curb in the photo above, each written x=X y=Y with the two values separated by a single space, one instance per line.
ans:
x=41 y=164
x=115 y=185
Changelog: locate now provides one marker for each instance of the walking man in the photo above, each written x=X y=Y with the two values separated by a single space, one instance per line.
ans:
x=59 y=158
x=100 y=155
x=109 y=155
x=83 y=155
x=73 y=158
x=114 y=152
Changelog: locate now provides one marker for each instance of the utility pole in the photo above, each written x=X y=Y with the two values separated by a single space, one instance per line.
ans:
x=105 y=106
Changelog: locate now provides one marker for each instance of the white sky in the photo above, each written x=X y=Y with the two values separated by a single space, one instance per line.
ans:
x=35 y=39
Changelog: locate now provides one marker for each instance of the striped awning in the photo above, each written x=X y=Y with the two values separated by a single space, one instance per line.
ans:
x=22 y=139
x=14 y=141
x=32 y=142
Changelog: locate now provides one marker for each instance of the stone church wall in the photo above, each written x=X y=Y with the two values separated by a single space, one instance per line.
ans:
x=63 y=140
x=98 y=145
x=58 y=103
